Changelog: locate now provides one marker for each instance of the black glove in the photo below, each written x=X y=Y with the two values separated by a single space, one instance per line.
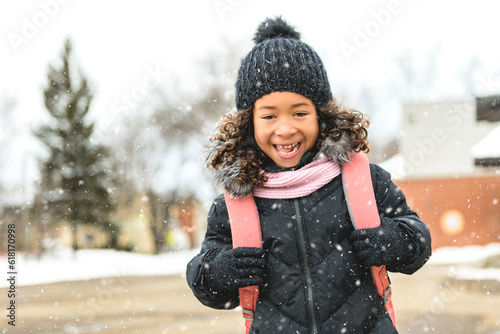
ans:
x=387 y=244
x=235 y=268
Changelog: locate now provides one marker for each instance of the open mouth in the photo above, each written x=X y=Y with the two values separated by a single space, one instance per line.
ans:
x=287 y=149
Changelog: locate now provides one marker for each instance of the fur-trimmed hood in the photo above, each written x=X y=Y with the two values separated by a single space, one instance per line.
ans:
x=225 y=178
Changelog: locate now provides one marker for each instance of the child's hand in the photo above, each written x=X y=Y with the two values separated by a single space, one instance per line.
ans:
x=387 y=244
x=236 y=268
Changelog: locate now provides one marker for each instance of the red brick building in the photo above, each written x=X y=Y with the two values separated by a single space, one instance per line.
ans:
x=459 y=211
x=449 y=168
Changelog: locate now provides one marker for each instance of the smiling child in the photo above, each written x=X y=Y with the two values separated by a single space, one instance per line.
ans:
x=285 y=145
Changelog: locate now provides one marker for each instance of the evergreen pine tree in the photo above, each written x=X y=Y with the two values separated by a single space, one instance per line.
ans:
x=75 y=178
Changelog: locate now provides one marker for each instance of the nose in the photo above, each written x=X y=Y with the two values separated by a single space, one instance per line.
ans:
x=285 y=128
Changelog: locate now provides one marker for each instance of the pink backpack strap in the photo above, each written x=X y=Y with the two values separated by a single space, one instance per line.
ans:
x=245 y=231
x=358 y=189
x=360 y=199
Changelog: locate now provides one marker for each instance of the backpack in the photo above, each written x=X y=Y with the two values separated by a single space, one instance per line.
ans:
x=362 y=207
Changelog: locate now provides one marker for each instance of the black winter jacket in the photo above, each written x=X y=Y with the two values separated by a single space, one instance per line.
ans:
x=313 y=283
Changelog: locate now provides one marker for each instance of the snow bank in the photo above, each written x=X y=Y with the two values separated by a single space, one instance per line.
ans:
x=470 y=255
x=62 y=265
x=468 y=263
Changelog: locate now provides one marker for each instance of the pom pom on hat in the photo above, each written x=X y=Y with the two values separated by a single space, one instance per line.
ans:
x=274 y=28
x=281 y=62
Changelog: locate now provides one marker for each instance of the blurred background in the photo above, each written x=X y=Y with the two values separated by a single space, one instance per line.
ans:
x=104 y=108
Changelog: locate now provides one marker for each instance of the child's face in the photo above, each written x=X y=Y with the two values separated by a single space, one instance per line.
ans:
x=285 y=126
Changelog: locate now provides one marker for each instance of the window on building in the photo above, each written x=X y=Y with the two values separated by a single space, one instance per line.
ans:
x=488 y=108
x=487 y=162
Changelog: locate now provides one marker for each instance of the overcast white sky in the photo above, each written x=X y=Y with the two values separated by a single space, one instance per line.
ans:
x=119 y=42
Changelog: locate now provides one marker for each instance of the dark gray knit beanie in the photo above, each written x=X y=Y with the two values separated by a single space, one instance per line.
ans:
x=279 y=61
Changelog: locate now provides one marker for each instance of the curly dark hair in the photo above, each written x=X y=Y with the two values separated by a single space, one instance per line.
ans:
x=237 y=131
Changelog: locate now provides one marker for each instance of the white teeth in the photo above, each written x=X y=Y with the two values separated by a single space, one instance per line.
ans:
x=294 y=148
x=287 y=146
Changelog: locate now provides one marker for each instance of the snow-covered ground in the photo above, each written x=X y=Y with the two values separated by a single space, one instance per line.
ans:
x=62 y=265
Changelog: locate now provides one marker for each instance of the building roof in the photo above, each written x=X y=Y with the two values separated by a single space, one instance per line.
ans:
x=489 y=146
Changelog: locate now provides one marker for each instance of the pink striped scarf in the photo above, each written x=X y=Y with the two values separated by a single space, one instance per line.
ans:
x=299 y=183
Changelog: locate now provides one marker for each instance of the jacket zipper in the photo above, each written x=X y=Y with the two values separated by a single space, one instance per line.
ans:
x=311 y=307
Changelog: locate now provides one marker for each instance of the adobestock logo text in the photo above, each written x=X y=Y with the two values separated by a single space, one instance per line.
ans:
x=363 y=36
x=31 y=25
x=126 y=102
